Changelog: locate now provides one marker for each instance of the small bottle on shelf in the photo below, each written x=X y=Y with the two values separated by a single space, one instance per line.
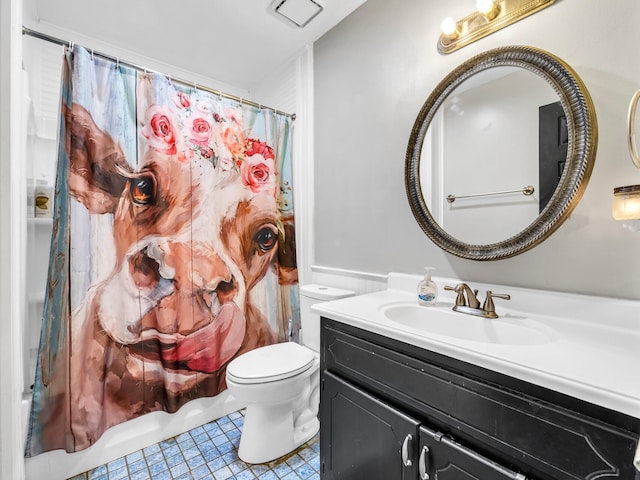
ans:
x=43 y=199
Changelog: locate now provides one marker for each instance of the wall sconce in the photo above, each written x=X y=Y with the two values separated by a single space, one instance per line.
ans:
x=626 y=200
x=490 y=16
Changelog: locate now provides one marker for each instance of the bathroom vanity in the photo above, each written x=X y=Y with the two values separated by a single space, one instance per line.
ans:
x=398 y=402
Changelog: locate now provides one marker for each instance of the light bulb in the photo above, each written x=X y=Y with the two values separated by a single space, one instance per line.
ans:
x=488 y=8
x=626 y=203
x=484 y=6
x=449 y=27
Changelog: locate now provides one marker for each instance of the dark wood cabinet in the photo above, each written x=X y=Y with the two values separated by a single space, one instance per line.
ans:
x=364 y=437
x=390 y=410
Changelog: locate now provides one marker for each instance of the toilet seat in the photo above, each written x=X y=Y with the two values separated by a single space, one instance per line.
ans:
x=270 y=363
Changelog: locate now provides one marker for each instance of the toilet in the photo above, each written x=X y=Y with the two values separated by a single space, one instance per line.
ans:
x=279 y=384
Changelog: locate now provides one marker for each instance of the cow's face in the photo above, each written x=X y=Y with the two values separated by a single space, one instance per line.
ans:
x=192 y=237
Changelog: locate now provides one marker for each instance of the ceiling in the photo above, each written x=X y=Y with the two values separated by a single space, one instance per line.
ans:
x=237 y=42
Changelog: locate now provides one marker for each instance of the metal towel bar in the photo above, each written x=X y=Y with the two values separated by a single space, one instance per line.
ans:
x=528 y=190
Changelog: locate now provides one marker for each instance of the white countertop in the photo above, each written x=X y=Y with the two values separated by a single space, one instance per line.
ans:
x=593 y=351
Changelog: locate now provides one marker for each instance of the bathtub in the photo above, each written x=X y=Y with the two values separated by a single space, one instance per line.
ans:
x=127 y=437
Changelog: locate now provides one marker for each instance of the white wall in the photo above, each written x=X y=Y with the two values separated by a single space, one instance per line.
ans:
x=11 y=240
x=374 y=71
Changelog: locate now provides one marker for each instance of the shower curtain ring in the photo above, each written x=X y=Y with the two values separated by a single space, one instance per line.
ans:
x=117 y=62
x=92 y=57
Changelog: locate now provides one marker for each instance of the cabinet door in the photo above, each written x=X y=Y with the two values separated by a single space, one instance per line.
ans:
x=363 y=438
x=442 y=458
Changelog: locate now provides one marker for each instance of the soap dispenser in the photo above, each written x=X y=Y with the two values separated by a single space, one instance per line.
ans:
x=427 y=289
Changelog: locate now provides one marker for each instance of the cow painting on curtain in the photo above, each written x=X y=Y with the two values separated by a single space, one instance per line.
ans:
x=173 y=249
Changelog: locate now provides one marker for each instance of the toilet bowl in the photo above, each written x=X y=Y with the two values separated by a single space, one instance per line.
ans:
x=279 y=385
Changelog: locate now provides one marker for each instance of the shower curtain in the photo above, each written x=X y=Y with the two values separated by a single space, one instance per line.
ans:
x=173 y=249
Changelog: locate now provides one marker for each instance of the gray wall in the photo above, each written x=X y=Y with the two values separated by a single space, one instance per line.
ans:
x=372 y=74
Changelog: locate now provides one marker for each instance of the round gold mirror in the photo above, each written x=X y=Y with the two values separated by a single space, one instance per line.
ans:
x=500 y=153
x=631 y=123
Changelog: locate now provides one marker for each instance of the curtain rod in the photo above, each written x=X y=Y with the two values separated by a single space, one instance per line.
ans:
x=49 y=38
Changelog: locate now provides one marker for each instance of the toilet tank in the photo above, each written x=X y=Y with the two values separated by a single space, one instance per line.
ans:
x=310 y=295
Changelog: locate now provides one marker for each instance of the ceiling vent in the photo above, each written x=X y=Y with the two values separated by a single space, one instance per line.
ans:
x=299 y=12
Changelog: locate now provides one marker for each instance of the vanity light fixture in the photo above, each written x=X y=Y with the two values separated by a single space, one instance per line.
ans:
x=626 y=200
x=489 y=16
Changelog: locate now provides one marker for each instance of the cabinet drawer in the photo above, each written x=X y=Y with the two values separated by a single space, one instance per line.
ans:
x=539 y=438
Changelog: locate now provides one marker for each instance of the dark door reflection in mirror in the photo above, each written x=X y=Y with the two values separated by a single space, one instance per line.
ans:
x=552 y=150
x=504 y=120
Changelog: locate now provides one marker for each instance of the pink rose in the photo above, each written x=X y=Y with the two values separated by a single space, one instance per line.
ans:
x=254 y=147
x=206 y=152
x=159 y=131
x=181 y=100
x=256 y=172
x=200 y=131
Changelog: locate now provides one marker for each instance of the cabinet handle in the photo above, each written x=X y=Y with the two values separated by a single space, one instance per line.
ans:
x=507 y=473
x=405 y=451
x=423 y=464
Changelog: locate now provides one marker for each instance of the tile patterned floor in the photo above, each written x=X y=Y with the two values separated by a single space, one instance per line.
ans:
x=208 y=452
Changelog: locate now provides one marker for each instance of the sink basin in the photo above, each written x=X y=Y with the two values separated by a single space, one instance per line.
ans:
x=442 y=321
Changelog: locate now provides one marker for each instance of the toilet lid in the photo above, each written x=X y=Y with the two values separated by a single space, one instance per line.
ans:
x=270 y=363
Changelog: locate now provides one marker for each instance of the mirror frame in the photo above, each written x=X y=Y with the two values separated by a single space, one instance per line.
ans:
x=583 y=139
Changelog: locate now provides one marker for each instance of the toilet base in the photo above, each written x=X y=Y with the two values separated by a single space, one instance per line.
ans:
x=269 y=433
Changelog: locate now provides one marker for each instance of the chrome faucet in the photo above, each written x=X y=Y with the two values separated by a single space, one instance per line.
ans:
x=467 y=301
